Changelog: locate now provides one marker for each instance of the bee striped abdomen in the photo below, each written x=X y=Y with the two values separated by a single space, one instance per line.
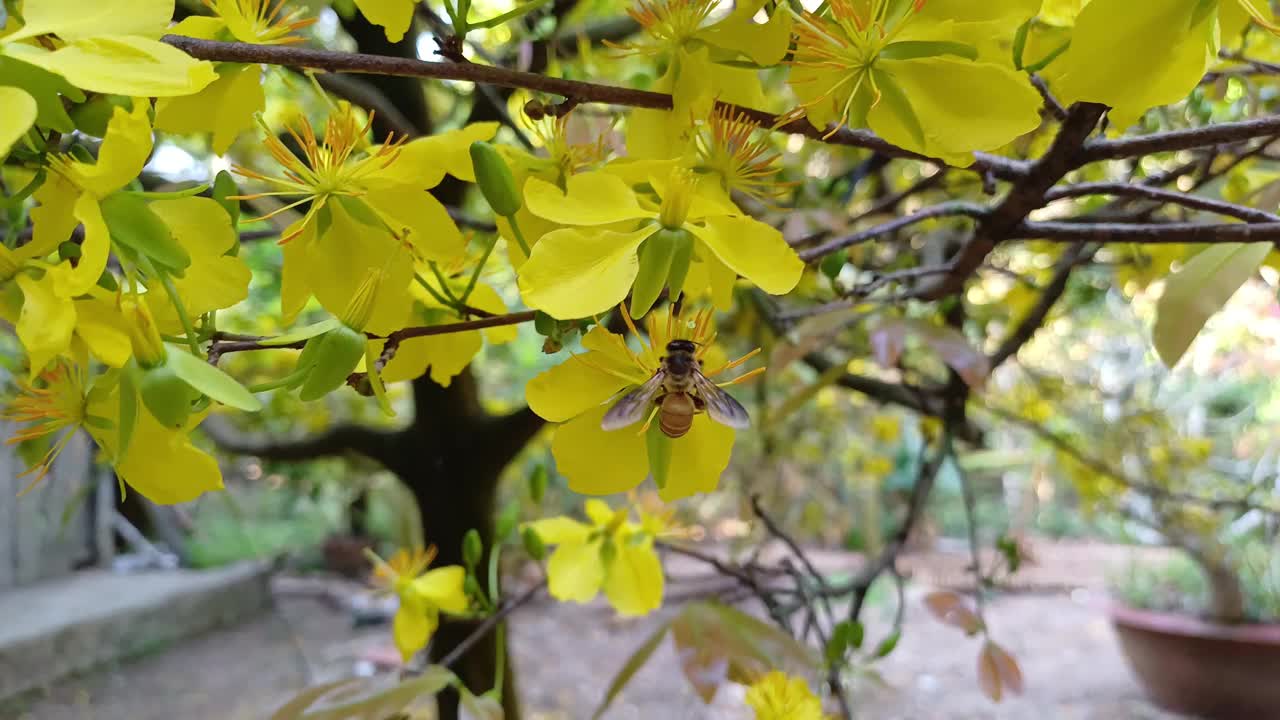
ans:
x=675 y=415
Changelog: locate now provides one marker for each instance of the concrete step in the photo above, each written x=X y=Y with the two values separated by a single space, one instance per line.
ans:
x=75 y=623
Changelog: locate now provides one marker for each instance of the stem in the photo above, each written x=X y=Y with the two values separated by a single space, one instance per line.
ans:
x=193 y=341
x=279 y=382
x=515 y=230
x=475 y=274
x=500 y=664
x=433 y=292
x=510 y=14
x=444 y=284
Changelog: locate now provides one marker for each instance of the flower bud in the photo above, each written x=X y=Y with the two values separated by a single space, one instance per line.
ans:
x=533 y=544
x=472 y=548
x=538 y=484
x=495 y=179
x=148 y=346
x=338 y=352
x=167 y=396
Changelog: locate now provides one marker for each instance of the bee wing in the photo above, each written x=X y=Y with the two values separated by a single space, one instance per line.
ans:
x=633 y=406
x=720 y=405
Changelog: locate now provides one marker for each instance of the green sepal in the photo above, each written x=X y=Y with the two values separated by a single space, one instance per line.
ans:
x=337 y=354
x=659 y=447
x=210 y=381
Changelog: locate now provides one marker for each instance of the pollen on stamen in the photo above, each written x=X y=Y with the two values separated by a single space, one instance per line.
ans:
x=263 y=21
x=744 y=164
x=669 y=22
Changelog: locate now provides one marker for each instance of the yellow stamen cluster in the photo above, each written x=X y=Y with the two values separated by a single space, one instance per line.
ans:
x=552 y=133
x=677 y=199
x=848 y=42
x=744 y=164
x=669 y=22
x=54 y=403
x=402 y=567
x=325 y=168
x=260 y=21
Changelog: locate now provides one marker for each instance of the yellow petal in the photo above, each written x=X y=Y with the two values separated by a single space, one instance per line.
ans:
x=1134 y=56
x=160 y=463
x=442 y=587
x=214 y=280
x=94 y=250
x=698 y=459
x=599 y=512
x=574 y=572
x=124 y=152
x=102 y=328
x=598 y=462
x=754 y=250
x=961 y=105
x=591 y=198
x=199 y=26
x=560 y=530
x=394 y=16
x=45 y=323
x=18 y=117
x=574 y=386
x=412 y=627
x=633 y=582
x=574 y=273
x=75 y=19
x=122 y=65
x=225 y=108
x=485 y=298
x=198 y=224
x=52 y=218
x=407 y=209
x=766 y=43
x=422 y=163
x=295 y=288
x=334 y=265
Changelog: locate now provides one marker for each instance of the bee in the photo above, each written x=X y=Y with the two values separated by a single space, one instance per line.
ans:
x=680 y=391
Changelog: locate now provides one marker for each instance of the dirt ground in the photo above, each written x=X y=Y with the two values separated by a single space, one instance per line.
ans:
x=564 y=658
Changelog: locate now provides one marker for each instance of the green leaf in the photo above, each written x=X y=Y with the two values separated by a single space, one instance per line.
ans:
x=224 y=186
x=210 y=380
x=379 y=698
x=896 y=101
x=135 y=225
x=1020 y=43
x=717 y=643
x=630 y=668
x=887 y=645
x=912 y=49
x=1193 y=294
x=47 y=88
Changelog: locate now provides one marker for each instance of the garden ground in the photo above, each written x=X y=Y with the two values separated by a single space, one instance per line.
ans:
x=1054 y=625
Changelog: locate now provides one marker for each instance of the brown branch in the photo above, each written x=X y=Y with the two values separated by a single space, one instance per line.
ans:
x=1026 y=195
x=340 y=440
x=1148 y=234
x=946 y=209
x=1148 y=192
x=582 y=92
x=1219 y=134
x=1034 y=319
x=243 y=343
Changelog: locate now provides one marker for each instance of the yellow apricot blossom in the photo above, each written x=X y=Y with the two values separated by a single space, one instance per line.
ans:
x=53 y=407
x=577 y=392
x=423 y=595
x=109 y=46
x=611 y=553
x=581 y=271
x=778 y=696
x=895 y=67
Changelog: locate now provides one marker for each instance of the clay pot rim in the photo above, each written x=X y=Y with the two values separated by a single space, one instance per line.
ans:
x=1171 y=623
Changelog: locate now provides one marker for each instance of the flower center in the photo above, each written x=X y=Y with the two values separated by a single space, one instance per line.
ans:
x=671 y=22
x=678 y=199
x=743 y=164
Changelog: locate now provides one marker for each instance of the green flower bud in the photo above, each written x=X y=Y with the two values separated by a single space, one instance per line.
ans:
x=338 y=352
x=507 y=521
x=495 y=179
x=167 y=396
x=472 y=548
x=533 y=544
x=538 y=483
x=68 y=250
x=834 y=263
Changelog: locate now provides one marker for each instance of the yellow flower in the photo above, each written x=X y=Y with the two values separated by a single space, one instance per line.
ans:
x=744 y=165
x=885 y=428
x=259 y=21
x=368 y=209
x=901 y=73
x=776 y=696
x=696 y=74
x=423 y=595
x=54 y=404
x=108 y=46
x=577 y=393
x=582 y=271
x=612 y=554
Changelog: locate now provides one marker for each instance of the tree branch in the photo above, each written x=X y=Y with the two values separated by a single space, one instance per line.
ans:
x=582 y=92
x=1148 y=192
x=946 y=209
x=1219 y=134
x=1148 y=234
x=340 y=440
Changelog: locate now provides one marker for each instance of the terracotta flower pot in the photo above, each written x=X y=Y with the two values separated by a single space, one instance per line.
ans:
x=1203 y=669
